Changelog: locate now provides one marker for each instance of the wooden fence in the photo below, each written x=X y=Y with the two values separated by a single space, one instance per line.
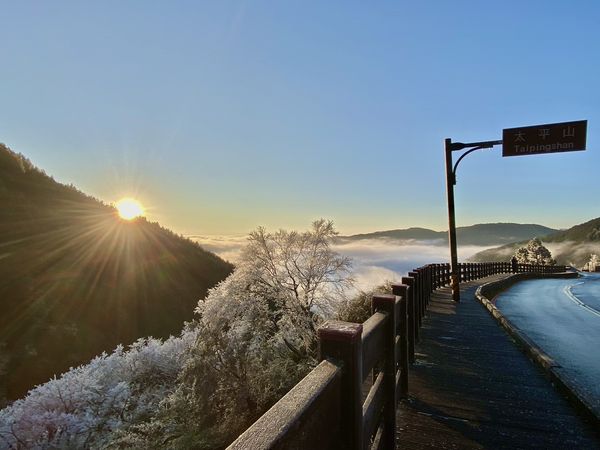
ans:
x=349 y=400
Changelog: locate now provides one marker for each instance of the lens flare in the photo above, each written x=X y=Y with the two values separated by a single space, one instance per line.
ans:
x=129 y=208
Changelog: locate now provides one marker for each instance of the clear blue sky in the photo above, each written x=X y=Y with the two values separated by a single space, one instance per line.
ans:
x=222 y=116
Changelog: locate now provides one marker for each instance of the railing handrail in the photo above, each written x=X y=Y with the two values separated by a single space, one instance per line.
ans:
x=292 y=412
x=325 y=409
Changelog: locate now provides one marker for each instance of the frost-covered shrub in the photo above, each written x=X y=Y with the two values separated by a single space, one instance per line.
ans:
x=358 y=308
x=84 y=405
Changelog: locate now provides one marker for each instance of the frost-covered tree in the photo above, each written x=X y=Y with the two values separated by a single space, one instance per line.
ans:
x=297 y=277
x=534 y=253
x=593 y=263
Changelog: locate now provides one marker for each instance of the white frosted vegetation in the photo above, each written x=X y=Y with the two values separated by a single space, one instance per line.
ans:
x=84 y=405
x=534 y=253
x=254 y=338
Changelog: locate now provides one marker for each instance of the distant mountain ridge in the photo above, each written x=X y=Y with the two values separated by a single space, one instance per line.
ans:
x=486 y=234
x=75 y=280
x=571 y=246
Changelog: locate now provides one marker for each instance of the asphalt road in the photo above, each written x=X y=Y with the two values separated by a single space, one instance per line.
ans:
x=562 y=317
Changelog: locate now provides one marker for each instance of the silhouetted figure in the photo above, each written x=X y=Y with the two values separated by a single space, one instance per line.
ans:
x=515 y=266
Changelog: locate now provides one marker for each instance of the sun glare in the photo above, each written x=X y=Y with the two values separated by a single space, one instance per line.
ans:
x=129 y=208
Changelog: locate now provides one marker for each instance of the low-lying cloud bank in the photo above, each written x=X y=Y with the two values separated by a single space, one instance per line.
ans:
x=573 y=253
x=227 y=247
x=378 y=260
x=374 y=261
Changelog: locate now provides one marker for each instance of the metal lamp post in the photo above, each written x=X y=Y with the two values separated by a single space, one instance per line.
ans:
x=450 y=183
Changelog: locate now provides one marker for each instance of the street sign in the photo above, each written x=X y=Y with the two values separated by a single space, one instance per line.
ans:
x=548 y=138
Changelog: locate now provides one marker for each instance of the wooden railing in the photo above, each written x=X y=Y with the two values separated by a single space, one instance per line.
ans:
x=349 y=400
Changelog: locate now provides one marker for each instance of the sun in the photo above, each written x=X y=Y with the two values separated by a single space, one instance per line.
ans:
x=129 y=208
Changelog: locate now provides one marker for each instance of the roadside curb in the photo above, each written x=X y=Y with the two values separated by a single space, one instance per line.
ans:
x=486 y=293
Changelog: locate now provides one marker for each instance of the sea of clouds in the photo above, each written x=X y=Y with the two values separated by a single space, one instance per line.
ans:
x=374 y=261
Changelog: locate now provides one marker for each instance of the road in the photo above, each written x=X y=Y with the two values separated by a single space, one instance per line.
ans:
x=562 y=317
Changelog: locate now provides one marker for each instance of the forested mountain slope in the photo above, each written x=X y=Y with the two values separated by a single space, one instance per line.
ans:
x=75 y=280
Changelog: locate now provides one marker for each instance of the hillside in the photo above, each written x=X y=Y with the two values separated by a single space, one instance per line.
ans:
x=75 y=280
x=586 y=232
x=481 y=234
x=572 y=246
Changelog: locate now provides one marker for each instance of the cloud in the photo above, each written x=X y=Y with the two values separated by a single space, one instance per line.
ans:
x=574 y=253
x=366 y=277
x=378 y=260
x=227 y=247
x=374 y=261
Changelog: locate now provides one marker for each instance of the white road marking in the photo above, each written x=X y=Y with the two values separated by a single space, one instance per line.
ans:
x=574 y=299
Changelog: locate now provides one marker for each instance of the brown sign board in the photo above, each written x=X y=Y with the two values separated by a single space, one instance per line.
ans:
x=548 y=138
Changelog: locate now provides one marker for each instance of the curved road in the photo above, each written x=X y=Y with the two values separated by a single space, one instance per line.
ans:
x=562 y=316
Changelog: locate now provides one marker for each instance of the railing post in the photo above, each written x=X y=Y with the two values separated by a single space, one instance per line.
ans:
x=387 y=304
x=426 y=291
x=402 y=291
x=430 y=275
x=343 y=341
x=416 y=294
x=420 y=294
x=410 y=312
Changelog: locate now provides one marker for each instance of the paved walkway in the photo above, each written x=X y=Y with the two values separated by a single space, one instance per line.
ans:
x=471 y=387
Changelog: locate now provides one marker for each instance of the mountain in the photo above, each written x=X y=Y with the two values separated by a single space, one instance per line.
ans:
x=573 y=246
x=486 y=234
x=417 y=234
x=75 y=280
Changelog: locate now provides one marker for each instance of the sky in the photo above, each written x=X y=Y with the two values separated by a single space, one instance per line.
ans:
x=227 y=115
